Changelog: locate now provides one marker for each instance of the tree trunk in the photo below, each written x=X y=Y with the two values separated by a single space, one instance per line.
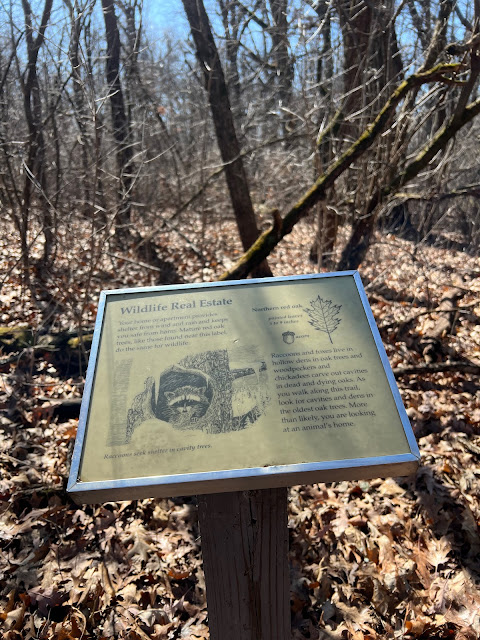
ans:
x=121 y=124
x=372 y=62
x=281 y=60
x=227 y=140
x=283 y=226
x=232 y=13
x=77 y=18
x=358 y=244
x=327 y=218
x=35 y=176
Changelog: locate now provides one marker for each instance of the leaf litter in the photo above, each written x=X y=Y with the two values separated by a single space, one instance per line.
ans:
x=388 y=558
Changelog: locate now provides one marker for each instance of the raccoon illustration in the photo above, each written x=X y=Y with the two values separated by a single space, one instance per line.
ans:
x=212 y=391
x=186 y=405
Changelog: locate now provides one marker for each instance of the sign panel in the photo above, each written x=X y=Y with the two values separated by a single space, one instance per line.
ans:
x=231 y=386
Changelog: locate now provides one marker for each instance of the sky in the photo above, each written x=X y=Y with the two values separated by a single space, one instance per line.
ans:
x=166 y=15
x=169 y=15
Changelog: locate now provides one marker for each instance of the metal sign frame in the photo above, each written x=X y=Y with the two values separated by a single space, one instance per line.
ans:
x=243 y=478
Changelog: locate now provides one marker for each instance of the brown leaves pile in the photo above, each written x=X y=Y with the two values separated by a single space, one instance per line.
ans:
x=394 y=558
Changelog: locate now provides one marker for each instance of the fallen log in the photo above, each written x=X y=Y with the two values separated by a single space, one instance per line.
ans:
x=67 y=350
x=62 y=410
x=437 y=367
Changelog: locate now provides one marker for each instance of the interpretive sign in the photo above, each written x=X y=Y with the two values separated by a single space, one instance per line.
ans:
x=216 y=387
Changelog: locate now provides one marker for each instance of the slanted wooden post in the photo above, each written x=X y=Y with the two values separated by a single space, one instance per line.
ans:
x=245 y=557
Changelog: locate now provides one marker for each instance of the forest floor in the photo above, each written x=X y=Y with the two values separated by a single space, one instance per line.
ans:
x=388 y=558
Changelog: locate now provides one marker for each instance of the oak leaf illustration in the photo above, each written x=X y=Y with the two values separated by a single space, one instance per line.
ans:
x=323 y=316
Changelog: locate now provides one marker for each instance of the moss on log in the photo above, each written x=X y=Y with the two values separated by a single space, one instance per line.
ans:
x=67 y=350
x=266 y=242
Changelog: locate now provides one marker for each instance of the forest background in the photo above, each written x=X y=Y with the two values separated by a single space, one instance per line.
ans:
x=255 y=137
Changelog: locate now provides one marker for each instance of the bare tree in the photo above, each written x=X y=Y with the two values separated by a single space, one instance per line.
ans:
x=233 y=14
x=371 y=64
x=34 y=164
x=79 y=15
x=359 y=242
x=120 y=120
x=227 y=140
x=282 y=61
x=123 y=125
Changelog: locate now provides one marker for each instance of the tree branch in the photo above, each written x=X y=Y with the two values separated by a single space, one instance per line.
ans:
x=355 y=249
x=265 y=244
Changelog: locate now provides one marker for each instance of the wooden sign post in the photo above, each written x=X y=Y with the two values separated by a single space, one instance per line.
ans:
x=234 y=391
x=245 y=559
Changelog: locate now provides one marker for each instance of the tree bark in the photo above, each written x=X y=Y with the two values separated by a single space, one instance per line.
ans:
x=327 y=219
x=232 y=14
x=82 y=116
x=35 y=169
x=120 y=121
x=372 y=61
x=281 y=60
x=227 y=140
